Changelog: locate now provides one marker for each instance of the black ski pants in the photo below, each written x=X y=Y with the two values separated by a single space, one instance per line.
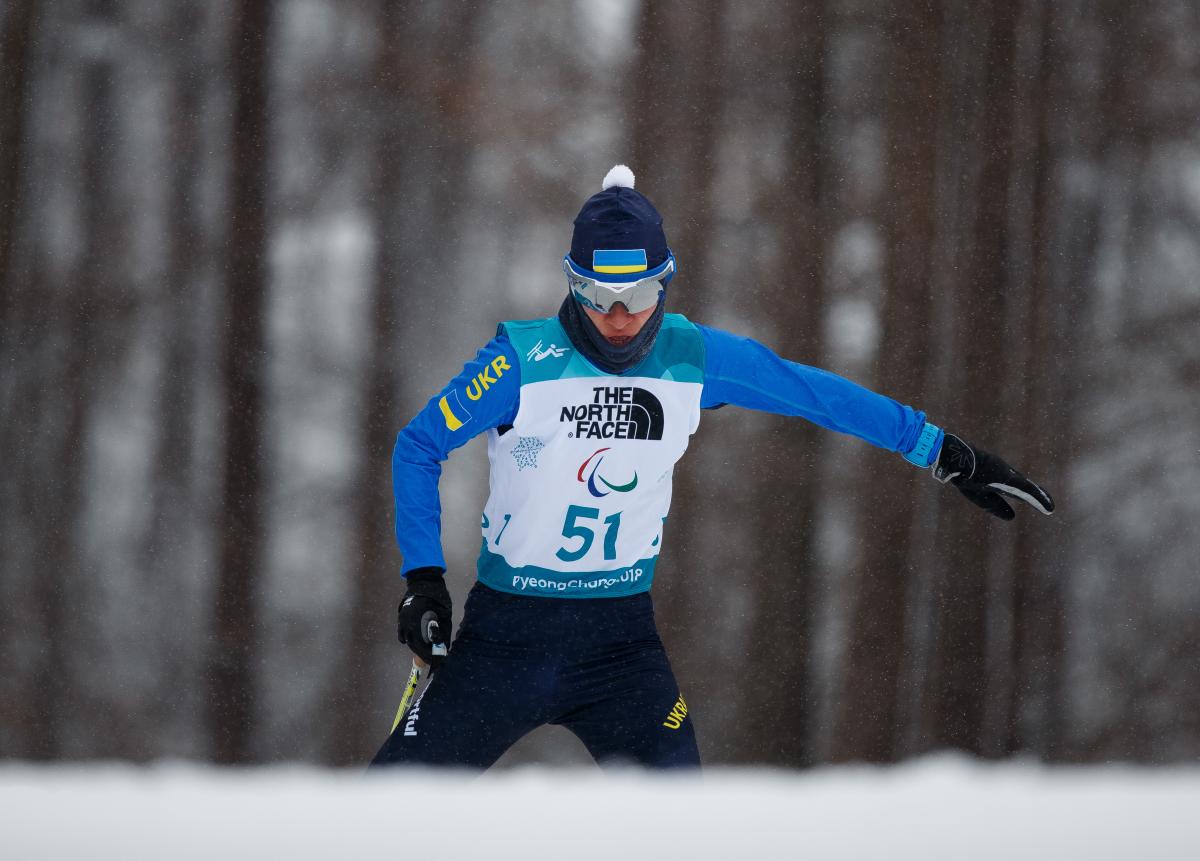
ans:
x=593 y=665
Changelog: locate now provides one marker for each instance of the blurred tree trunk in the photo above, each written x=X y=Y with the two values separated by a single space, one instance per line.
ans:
x=231 y=682
x=16 y=44
x=1107 y=128
x=959 y=674
x=61 y=585
x=787 y=485
x=169 y=492
x=1036 y=647
x=373 y=579
x=17 y=339
x=869 y=705
x=438 y=75
x=675 y=116
x=449 y=91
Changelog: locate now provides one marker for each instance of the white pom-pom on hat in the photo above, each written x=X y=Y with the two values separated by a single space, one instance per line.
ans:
x=620 y=176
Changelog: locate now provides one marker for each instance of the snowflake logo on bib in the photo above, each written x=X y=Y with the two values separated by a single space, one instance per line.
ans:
x=526 y=451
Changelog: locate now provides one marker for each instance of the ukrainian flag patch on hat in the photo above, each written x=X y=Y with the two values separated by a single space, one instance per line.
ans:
x=618 y=262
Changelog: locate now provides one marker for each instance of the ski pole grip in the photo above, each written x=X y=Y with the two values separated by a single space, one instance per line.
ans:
x=431 y=632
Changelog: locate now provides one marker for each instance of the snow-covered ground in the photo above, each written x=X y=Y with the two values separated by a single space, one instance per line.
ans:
x=939 y=808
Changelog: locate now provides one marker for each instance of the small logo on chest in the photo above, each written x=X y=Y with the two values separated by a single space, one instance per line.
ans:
x=537 y=353
x=595 y=459
x=526 y=451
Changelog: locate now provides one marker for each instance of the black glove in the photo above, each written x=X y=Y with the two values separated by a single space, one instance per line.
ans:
x=424 y=616
x=982 y=477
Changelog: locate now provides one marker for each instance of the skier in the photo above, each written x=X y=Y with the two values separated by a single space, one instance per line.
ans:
x=587 y=413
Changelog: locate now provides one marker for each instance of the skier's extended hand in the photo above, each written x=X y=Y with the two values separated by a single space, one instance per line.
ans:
x=424 y=616
x=982 y=477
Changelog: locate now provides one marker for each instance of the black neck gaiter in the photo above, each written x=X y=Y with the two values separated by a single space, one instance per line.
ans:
x=588 y=340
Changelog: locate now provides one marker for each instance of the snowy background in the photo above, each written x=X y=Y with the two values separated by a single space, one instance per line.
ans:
x=243 y=241
x=937 y=809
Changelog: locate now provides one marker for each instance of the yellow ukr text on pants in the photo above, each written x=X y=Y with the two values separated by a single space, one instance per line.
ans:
x=678 y=713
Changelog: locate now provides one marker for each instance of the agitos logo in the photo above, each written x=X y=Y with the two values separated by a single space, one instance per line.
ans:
x=592 y=476
x=616 y=412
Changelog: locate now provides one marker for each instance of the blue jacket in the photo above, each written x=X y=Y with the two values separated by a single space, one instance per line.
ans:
x=737 y=371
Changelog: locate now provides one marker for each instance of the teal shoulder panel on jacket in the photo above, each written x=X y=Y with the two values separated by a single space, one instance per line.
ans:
x=678 y=353
x=546 y=353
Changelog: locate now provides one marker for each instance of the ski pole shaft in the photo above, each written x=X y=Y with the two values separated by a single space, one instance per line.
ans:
x=433 y=635
x=414 y=679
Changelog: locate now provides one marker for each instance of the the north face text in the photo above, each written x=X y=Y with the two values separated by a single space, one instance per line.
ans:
x=616 y=412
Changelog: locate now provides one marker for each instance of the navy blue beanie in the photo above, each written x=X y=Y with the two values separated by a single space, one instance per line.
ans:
x=618 y=218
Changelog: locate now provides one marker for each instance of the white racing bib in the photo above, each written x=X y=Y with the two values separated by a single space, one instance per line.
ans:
x=581 y=482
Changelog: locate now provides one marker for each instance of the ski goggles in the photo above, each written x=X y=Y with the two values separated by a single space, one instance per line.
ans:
x=637 y=291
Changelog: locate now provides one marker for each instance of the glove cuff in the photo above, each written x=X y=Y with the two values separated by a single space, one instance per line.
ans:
x=956 y=460
x=425 y=574
x=429 y=583
x=929 y=443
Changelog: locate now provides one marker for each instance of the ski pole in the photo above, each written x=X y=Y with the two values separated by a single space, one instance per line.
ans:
x=414 y=679
x=432 y=634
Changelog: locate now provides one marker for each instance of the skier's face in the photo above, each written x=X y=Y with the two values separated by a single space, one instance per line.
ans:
x=618 y=326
